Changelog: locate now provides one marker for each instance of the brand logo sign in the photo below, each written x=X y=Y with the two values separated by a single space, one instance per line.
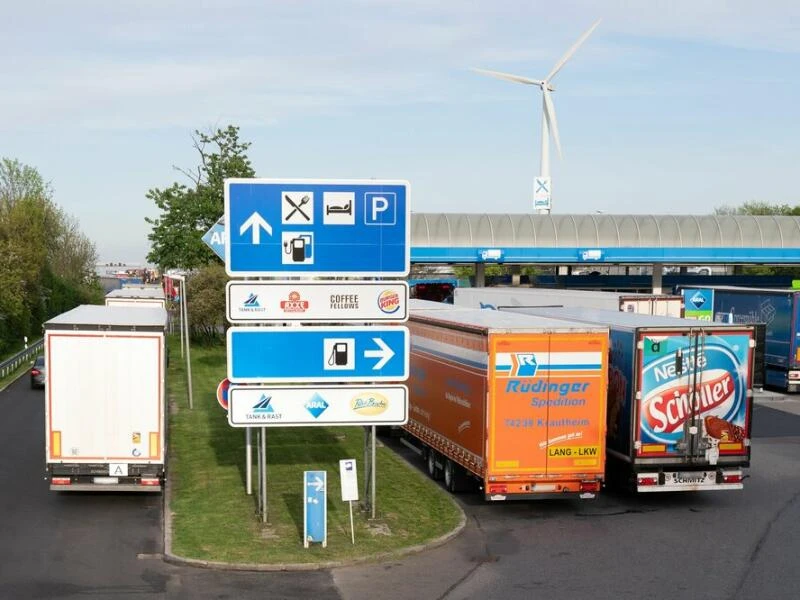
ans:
x=525 y=365
x=389 y=301
x=712 y=382
x=698 y=299
x=294 y=304
x=316 y=405
x=251 y=304
x=263 y=409
x=369 y=404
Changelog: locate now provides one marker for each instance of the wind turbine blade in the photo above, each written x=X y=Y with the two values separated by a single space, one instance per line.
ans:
x=572 y=50
x=550 y=114
x=508 y=77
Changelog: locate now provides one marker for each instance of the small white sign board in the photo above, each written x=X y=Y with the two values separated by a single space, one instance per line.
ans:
x=347 y=474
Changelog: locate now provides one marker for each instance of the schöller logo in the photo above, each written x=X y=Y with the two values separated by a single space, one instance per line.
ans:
x=369 y=403
x=294 y=304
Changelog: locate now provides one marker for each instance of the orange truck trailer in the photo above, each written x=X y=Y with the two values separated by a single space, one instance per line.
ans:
x=514 y=402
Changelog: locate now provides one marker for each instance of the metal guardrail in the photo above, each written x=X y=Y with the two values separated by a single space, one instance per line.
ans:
x=10 y=365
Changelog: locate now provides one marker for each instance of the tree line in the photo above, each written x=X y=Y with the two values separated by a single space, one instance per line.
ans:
x=47 y=264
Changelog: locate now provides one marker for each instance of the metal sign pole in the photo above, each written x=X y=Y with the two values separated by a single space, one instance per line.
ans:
x=258 y=452
x=368 y=466
x=188 y=353
x=248 y=444
x=373 y=471
x=264 y=474
x=180 y=311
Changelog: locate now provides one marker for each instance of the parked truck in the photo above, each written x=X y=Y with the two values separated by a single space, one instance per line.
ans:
x=137 y=296
x=104 y=399
x=514 y=403
x=501 y=297
x=679 y=399
x=776 y=311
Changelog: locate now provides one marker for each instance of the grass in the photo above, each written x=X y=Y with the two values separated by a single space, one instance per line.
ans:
x=213 y=517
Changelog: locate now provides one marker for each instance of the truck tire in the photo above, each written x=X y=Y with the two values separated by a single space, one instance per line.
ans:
x=455 y=479
x=433 y=470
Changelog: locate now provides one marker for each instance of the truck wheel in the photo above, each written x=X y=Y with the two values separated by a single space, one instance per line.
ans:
x=456 y=479
x=433 y=470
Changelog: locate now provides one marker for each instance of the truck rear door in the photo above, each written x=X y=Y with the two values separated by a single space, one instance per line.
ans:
x=547 y=416
x=693 y=400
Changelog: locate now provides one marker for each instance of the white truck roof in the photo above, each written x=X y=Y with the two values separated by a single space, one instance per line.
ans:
x=93 y=316
x=134 y=292
x=497 y=321
x=615 y=318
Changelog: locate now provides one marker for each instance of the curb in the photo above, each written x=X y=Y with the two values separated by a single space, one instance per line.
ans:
x=174 y=559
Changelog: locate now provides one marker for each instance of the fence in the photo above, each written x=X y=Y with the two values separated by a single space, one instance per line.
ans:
x=10 y=365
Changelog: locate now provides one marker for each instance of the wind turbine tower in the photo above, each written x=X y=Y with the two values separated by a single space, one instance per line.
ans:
x=542 y=184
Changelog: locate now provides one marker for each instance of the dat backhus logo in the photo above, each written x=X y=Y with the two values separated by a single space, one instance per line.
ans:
x=525 y=365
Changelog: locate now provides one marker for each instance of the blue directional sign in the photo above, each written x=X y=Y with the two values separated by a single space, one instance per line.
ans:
x=214 y=238
x=317 y=228
x=308 y=354
x=315 y=508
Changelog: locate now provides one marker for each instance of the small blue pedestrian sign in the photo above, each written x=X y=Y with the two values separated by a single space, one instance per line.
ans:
x=315 y=508
x=317 y=228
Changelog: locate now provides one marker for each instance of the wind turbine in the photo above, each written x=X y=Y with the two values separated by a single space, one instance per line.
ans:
x=542 y=188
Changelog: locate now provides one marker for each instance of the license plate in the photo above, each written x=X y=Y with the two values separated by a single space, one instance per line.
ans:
x=106 y=480
x=693 y=478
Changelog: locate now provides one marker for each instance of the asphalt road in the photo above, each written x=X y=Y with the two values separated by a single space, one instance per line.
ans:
x=731 y=545
x=100 y=545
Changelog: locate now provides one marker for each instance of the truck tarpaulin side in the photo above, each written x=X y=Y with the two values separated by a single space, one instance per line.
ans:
x=516 y=402
x=679 y=402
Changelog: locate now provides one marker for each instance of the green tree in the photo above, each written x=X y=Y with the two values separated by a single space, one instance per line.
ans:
x=206 y=303
x=45 y=256
x=188 y=211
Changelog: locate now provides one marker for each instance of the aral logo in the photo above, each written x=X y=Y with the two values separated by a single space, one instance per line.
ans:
x=525 y=365
x=316 y=405
x=369 y=404
x=294 y=304
x=698 y=300
x=389 y=302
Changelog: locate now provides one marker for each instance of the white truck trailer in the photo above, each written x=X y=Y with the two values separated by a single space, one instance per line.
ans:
x=137 y=296
x=105 y=404
x=664 y=305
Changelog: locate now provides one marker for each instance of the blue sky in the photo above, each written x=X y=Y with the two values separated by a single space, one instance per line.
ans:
x=669 y=107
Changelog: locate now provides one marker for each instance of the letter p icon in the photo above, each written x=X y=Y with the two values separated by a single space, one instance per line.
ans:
x=381 y=208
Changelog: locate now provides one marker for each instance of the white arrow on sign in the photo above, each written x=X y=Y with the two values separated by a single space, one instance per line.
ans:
x=257 y=222
x=317 y=483
x=385 y=353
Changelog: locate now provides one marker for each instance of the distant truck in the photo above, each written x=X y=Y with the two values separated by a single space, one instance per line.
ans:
x=777 y=309
x=679 y=399
x=105 y=405
x=502 y=297
x=514 y=403
x=137 y=296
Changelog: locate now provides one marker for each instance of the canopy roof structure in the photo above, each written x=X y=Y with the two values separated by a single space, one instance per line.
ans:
x=600 y=238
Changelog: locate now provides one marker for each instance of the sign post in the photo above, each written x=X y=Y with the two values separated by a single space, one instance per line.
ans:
x=347 y=475
x=315 y=511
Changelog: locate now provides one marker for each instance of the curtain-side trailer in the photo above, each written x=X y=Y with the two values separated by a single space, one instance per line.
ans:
x=777 y=311
x=105 y=405
x=136 y=296
x=679 y=399
x=515 y=403
x=502 y=297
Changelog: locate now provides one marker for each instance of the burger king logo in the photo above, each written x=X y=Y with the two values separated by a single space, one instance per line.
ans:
x=369 y=403
x=389 y=302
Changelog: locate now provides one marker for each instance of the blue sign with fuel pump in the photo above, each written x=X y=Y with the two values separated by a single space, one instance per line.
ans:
x=316 y=228
x=309 y=354
x=315 y=508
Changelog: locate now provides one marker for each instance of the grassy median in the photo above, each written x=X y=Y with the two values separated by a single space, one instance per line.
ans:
x=213 y=517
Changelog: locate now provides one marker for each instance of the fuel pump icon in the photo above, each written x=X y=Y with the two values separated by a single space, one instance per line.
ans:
x=298 y=248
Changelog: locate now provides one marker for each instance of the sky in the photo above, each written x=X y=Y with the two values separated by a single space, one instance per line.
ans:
x=670 y=107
